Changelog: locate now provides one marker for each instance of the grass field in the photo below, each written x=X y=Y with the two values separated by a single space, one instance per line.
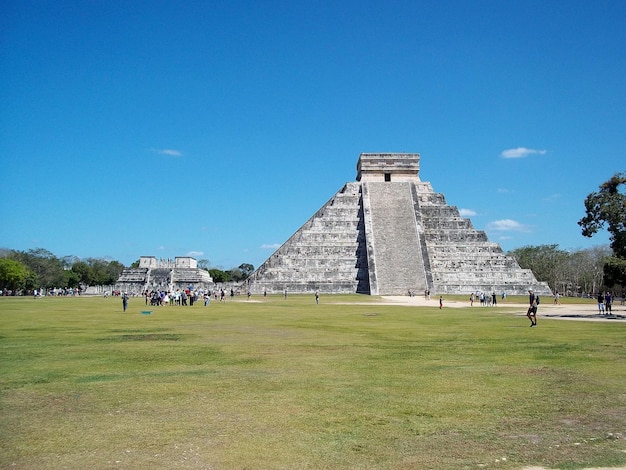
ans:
x=287 y=384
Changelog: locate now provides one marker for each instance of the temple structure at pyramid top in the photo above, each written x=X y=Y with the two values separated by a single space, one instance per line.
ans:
x=384 y=166
x=389 y=233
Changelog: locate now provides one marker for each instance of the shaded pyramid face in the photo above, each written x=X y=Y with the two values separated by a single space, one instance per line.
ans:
x=389 y=233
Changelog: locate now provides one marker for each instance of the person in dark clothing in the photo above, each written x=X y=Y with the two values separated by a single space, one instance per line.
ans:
x=125 y=301
x=532 y=308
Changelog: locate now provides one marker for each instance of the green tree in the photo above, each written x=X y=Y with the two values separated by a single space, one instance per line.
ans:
x=15 y=275
x=615 y=272
x=99 y=274
x=46 y=266
x=236 y=274
x=71 y=279
x=204 y=264
x=220 y=276
x=240 y=273
x=547 y=262
x=97 y=271
x=82 y=272
x=246 y=269
x=68 y=261
x=607 y=207
x=585 y=269
x=114 y=270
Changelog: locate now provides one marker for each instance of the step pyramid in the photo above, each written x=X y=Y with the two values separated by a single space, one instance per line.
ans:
x=389 y=233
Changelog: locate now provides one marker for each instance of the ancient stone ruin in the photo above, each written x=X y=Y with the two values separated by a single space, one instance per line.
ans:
x=164 y=275
x=389 y=233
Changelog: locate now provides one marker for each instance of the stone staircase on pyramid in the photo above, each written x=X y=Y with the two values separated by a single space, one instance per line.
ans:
x=393 y=242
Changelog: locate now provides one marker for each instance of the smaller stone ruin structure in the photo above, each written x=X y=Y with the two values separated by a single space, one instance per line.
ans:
x=164 y=275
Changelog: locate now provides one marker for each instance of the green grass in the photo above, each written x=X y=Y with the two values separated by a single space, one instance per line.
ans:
x=293 y=385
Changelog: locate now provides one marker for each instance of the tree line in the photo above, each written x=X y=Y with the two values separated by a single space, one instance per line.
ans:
x=596 y=269
x=571 y=273
x=39 y=268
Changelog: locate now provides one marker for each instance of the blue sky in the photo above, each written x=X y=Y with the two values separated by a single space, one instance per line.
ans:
x=216 y=129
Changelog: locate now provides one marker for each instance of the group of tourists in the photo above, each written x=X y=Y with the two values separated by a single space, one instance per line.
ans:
x=485 y=299
x=180 y=297
x=184 y=297
x=56 y=291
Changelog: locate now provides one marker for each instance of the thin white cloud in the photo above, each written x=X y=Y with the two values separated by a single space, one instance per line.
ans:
x=467 y=212
x=193 y=254
x=521 y=152
x=507 y=225
x=169 y=152
x=270 y=246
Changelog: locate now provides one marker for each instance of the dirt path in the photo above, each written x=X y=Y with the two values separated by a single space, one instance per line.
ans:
x=584 y=312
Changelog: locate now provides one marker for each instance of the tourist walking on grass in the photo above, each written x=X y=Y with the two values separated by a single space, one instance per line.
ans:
x=532 y=308
x=494 y=300
x=125 y=301
x=317 y=297
x=440 y=302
